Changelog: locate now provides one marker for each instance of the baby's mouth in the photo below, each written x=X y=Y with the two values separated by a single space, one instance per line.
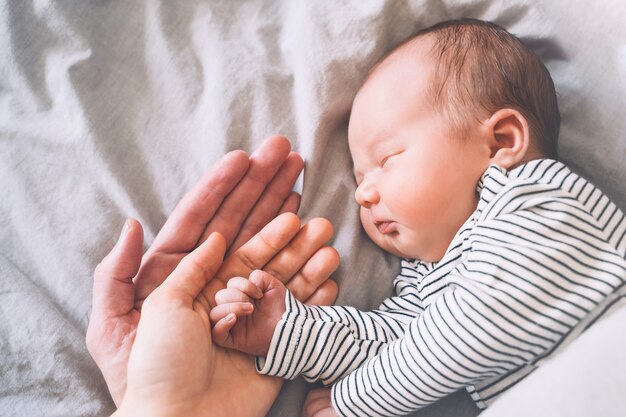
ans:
x=386 y=227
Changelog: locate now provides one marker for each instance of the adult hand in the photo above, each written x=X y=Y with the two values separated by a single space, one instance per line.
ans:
x=224 y=200
x=288 y=251
x=174 y=369
x=171 y=370
x=236 y=198
x=296 y=256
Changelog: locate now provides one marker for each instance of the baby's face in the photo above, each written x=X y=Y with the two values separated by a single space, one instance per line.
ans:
x=416 y=179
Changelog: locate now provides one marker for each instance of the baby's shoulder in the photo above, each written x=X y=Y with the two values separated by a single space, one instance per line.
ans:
x=546 y=195
x=541 y=183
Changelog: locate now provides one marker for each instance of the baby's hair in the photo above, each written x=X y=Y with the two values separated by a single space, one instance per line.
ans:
x=483 y=68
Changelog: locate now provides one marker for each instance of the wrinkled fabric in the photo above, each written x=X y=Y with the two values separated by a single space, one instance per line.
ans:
x=113 y=109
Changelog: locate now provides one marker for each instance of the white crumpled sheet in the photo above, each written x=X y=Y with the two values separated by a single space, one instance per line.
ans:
x=113 y=109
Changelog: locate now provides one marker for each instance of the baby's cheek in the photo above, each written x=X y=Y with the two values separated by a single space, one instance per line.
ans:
x=367 y=224
x=363 y=215
x=372 y=231
x=365 y=219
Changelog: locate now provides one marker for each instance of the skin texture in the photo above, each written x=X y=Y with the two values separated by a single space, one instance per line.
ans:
x=174 y=368
x=223 y=200
x=167 y=377
x=416 y=186
x=244 y=319
x=247 y=313
x=416 y=178
x=319 y=403
x=416 y=181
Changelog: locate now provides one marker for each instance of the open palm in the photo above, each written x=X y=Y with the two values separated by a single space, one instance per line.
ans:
x=237 y=197
x=174 y=365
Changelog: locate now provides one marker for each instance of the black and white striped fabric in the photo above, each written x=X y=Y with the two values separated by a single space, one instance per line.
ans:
x=540 y=260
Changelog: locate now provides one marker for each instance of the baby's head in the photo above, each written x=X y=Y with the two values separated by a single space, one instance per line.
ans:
x=430 y=119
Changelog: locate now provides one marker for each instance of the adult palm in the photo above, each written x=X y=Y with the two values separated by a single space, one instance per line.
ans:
x=237 y=197
x=174 y=369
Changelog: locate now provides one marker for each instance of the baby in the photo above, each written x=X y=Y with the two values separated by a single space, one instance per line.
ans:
x=507 y=254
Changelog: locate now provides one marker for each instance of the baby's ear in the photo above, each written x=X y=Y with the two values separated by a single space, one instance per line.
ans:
x=509 y=138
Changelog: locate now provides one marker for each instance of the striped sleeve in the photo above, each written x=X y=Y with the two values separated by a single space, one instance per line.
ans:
x=326 y=343
x=528 y=278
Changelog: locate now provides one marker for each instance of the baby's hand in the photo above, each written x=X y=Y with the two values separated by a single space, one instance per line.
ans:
x=247 y=312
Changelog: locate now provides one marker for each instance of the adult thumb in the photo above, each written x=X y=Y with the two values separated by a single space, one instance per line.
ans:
x=113 y=289
x=196 y=269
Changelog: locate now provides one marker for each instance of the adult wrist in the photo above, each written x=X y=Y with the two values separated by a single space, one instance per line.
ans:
x=147 y=408
x=145 y=411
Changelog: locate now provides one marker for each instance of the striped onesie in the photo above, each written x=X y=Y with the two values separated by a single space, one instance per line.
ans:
x=541 y=259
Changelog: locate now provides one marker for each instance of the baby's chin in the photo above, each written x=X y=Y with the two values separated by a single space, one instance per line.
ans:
x=388 y=244
x=407 y=254
x=392 y=243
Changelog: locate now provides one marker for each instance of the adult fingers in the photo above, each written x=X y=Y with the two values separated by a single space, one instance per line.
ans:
x=325 y=294
x=187 y=223
x=220 y=202
x=113 y=290
x=261 y=248
x=291 y=204
x=264 y=164
x=315 y=234
x=273 y=200
x=254 y=254
x=194 y=271
x=314 y=273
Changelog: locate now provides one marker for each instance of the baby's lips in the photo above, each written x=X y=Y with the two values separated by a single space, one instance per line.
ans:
x=386 y=227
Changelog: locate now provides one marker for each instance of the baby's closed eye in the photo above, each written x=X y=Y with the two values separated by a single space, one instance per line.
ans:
x=389 y=156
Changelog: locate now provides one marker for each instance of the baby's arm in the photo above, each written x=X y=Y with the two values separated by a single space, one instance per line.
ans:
x=327 y=343
x=321 y=343
x=247 y=312
x=520 y=292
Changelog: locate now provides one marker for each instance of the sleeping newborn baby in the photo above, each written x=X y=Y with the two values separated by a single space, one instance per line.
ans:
x=507 y=255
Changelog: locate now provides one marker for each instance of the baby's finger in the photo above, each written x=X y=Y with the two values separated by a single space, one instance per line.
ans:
x=239 y=309
x=221 y=330
x=230 y=295
x=262 y=280
x=245 y=286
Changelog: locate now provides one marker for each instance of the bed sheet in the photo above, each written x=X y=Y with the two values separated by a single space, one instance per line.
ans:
x=113 y=109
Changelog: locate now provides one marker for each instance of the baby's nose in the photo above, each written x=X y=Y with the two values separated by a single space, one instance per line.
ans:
x=366 y=194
